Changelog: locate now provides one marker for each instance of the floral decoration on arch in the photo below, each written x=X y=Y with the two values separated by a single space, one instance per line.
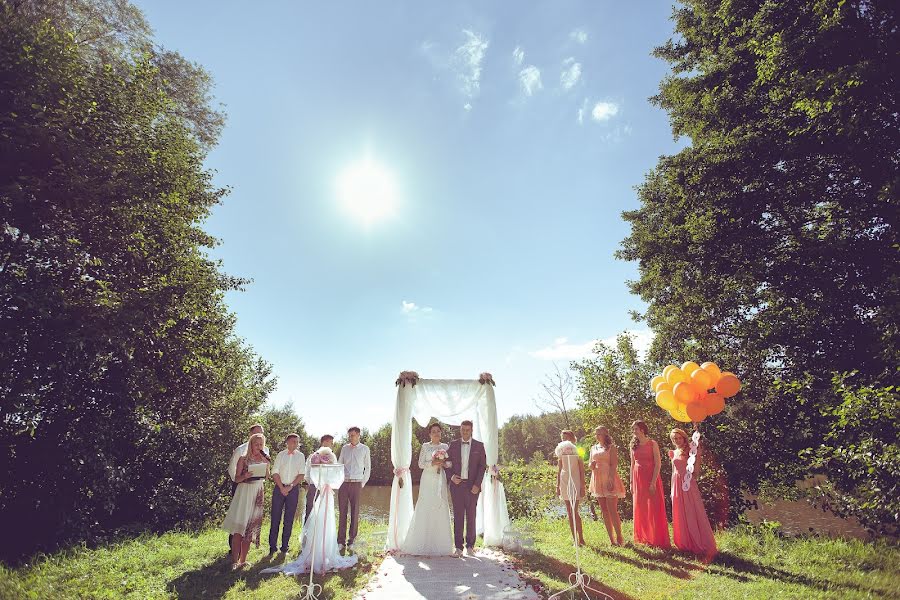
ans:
x=486 y=378
x=407 y=377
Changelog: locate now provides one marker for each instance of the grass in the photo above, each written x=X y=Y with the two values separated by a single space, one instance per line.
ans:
x=174 y=565
x=752 y=563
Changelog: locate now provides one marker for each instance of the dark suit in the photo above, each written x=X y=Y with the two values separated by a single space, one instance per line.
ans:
x=464 y=501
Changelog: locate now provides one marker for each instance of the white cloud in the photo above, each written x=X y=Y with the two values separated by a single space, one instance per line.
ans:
x=579 y=35
x=518 y=56
x=563 y=349
x=530 y=78
x=604 y=111
x=571 y=73
x=467 y=62
x=414 y=311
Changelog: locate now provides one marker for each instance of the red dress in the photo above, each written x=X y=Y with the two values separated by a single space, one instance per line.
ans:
x=691 y=531
x=650 y=524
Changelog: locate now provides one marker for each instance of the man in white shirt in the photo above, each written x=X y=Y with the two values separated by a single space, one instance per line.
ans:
x=357 y=468
x=232 y=464
x=326 y=441
x=288 y=473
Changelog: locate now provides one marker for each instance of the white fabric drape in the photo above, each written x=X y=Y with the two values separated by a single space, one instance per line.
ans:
x=445 y=399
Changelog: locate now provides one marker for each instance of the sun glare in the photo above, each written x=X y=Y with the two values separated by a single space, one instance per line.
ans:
x=366 y=191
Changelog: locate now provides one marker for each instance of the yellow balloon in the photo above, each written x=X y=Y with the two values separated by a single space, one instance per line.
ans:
x=701 y=379
x=667 y=370
x=689 y=367
x=665 y=400
x=684 y=392
x=696 y=412
x=663 y=385
x=714 y=404
x=728 y=385
x=679 y=414
x=712 y=368
x=676 y=375
x=655 y=381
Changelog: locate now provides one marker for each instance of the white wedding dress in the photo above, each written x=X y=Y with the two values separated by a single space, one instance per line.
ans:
x=430 y=533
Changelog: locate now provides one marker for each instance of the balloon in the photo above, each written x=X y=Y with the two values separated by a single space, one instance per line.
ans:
x=728 y=385
x=696 y=412
x=712 y=368
x=714 y=404
x=684 y=392
x=666 y=371
x=701 y=379
x=676 y=375
x=689 y=367
x=663 y=385
x=655 y=381
x=665 y=400
x=678 y=413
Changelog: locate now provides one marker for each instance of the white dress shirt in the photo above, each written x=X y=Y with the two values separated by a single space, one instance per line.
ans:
x=288 y=466
x=239 y=452
x=464 y=449
x=357 y=462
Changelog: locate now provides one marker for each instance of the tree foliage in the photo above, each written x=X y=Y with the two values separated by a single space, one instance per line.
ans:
x=123 y=388
x=770 y=244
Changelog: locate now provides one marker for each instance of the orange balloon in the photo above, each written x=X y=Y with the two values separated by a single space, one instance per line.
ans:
x=663 y=385
x=679 y=414
x=714 y=375
x=701 y=379
x=728 y=385
x=714 y=404
x=655 y=381
x=689 y=367
x=665 y=399
x=712 y=368
x=696 y=412
x=684 y=392
x=676 y=375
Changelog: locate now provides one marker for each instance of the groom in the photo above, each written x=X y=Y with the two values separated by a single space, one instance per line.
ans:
x=468 y=463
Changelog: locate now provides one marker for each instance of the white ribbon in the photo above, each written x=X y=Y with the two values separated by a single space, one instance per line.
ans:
x=695 y=441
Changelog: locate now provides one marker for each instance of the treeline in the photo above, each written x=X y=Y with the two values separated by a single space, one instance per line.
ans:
x=123 y=387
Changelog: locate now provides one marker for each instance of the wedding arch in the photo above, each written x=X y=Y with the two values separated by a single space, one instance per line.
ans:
x=446 y=399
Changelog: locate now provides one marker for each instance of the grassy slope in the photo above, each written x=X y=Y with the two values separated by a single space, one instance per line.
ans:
x=749 y=565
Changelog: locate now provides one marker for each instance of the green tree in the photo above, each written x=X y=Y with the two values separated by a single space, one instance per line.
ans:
x=770 y=243
x=277 y=423
x=123 y=388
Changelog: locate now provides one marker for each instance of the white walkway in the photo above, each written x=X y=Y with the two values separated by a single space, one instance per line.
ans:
x=486 y=576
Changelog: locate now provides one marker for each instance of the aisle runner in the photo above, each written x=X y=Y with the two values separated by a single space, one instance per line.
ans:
x=487 y=576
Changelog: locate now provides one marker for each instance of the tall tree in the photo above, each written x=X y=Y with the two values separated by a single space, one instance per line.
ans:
x=770 y=243
x=123 y=387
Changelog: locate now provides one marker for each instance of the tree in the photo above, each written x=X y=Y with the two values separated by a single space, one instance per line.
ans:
x=277 y=423
x=123 y=388
x=555 y=397
x=770 y=243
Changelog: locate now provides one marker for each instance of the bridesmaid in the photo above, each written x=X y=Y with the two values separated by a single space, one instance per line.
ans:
x=245 y=515
x=571 y=468
x=606 y=485
x=691 y=531
x=650 y=525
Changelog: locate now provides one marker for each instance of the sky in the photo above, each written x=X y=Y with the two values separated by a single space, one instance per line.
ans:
x=428 y=186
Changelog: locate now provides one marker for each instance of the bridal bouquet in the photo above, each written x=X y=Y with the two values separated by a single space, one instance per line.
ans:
x=441 y=455
x=323 y=456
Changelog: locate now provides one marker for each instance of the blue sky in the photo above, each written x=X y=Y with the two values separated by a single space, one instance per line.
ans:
x=513 y=133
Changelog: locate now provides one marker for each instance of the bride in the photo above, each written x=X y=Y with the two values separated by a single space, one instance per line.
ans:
x=429 y=531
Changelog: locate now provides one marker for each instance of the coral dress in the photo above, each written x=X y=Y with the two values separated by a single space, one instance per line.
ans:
x=604 y=472
x=691 y=531
x=650 y=524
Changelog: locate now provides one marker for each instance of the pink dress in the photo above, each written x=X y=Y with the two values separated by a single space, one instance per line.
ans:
x=650 y=524
x=603 y=472
x=691 y=531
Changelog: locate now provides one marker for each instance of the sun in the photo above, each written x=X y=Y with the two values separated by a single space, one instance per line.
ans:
x=367 y=191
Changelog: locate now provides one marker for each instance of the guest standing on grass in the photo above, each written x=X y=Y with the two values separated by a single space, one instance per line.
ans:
x=606 y=485
x=288 y=472
x=357 y=468
x=691 y=531
x=326 y=441
x=570 y=481
x=650 y=524
x=244 y=518
x=232 y=467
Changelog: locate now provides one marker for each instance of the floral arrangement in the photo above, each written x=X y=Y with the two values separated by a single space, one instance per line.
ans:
x=407 y=377
x=323 y=456
x=399 y=472
x=439 y=454
x=565 y=447
x=486 y=378
x=495 y=473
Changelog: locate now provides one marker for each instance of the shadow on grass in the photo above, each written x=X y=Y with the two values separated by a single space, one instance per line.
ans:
x=559 y=570
x=671 y=566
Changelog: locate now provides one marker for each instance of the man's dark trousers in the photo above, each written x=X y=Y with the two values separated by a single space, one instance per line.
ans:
x=464 y=505
x=288 y=506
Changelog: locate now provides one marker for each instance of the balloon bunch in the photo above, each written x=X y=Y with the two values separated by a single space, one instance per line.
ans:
x=693 y=392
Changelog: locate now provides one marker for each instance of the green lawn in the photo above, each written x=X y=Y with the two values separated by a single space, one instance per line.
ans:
x=173 y=565
x=750 y=564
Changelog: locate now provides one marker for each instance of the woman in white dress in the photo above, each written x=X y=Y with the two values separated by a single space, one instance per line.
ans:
x=430 y=532
x=245 y=515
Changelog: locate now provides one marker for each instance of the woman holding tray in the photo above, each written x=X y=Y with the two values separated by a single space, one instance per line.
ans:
x=245 y=515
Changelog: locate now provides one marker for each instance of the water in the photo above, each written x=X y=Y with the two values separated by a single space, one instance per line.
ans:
x=375 y=501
